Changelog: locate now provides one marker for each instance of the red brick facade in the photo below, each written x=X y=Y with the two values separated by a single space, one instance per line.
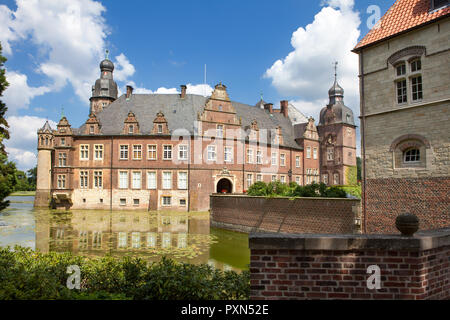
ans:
x=427 y=198
x=302 y=267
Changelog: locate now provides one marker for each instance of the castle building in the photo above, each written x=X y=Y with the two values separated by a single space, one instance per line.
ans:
x=171 y=151
x=404 y=64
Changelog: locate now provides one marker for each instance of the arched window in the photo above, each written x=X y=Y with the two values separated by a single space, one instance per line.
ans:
x=410 y=151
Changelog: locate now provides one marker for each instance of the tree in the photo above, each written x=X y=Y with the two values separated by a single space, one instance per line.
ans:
x=4 y=133
x=358 y=166
x=32 y=177
x=7 y=168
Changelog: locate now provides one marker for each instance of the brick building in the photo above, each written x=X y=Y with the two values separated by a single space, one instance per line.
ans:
x=171 y=151
x=405 y=107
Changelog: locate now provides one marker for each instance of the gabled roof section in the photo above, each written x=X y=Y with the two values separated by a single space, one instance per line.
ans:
x=403 y=15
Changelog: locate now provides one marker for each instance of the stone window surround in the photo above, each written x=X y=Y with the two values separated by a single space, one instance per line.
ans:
x=171 y=151
x=132 y=179
x=127 y=151
x=166 y=204
x=156 y=179
x=156 y=152
x=99 y=175
x=96 y=151
x=86 y=150
x=230 y=153
x=178 y=180
x=136 y=145
x=118 y=180
x=186 y=151
x=171 y=179
x=408 y=141
x=282 y=159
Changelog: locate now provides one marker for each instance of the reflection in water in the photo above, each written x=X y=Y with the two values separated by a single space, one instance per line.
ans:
x=185 y=237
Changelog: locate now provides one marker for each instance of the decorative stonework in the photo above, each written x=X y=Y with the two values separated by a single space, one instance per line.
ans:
x=409 y=51
x=131 y=125
x=92 y=125
x=160 y=125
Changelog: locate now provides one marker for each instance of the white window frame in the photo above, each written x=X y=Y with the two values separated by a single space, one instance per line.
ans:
x=228 y=151
x=249 y=155
x=315 y=153
x=283 y=179
x=163 y=201
x=98 y=179
x=137 y=149
x=259 y=178
x=183 y=186
x=258 y=157
x=182 y=152
x=120 y=179
x=282 y=159
x=308 y=152
x=274 y=158
x=219 y=130
x=126 y=150
x=212 y=154
x=62 y=159
x=330 y=153
x=150 y=148
x=165 y=181
x=149 y=186
x=98 y=152
x=297 y=161
x=249 y=180
x=84 y=179
x=84 y=152
x=61 y=181
x=167 y=150
x=136 y=183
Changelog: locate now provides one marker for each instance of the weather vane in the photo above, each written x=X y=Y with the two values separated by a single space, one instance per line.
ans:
x=335 y=69
x=107 y=54
x=62 y=112
x=261 y=96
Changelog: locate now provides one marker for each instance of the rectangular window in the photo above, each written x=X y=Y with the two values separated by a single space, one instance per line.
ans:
x=182 y=180
x=91 y=129
x=259 y=177
x=123 y=152
x=211 y=153
x=249 y=180
x=83 y=179
x=166 y=201
x=336 y=178
x=282 y=159
x=258 y=157
x=401 y=69
x=308 y=152
x=167 y=180
x=274 y=158
x=315 y=153
x=297 y=161
x=84 y=152
x=283 y=179
x=122 y=238
x=274 y=177
x=130 y=129
x=123 y=179
x=61 y=181
x=416 y=65
x=183 y=202
x=151 y=180
x=136 y=183
x=182 y=152
x=167 y=154
x=228 y=154
x=325 y=178
x=151 y=149
x=137 y=152
x=297 y=180
x=62 y=159
x=98 y=152
x=330 y=153
x=160 y=128
x=136 y=237
x=123 y=201
x=416 y=88
x=219 y=131
x=249 y=155
x=401 y=91
x=63 y=141
x=98 y=179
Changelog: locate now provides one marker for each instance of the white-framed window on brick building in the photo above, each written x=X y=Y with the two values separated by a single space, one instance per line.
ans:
x=182 y=152
x=297 y=161
x=259 y=177
x=166 y=201
x=219 y=131
x=325 y=178
x=98 y=179
x=63 y=142
x=123 y=179
x=249 y=155
x=249 y=180
x=330 y=153
x=259 y=157
x=137 y=152
x=130 y=129
x=123 y=153
x=212 y=153
x=274 y=158
x=282 y=159
x=182 y=180
x=84 y=152
x=228 y=154
x=62 y=159
x=274 y=177
x=411 y=155
x=151 y=180
x=61 y=181
x=98 y=152
x=297 y=180
x=336 y=178
x=151 y=152
x=283 y=179
x=84 y=179
x=308 y=152
x=167 y=180
x=315 y=153
x=167 y=152
x=136 y=182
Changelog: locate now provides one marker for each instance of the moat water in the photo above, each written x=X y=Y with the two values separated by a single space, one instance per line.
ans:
x=185 y=237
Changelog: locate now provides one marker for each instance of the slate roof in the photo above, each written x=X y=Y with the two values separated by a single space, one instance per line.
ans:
x=402 y=16
x=181 y=113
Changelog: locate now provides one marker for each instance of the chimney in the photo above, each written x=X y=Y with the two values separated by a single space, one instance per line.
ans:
x=183 y=91
x=269 y=107
x=284 y=107
x=129 y=91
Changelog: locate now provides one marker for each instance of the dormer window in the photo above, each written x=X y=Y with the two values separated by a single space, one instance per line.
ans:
x=130 y=129
x=439 y=4
x=160 y=128
x=63 y=141
x=91 y=129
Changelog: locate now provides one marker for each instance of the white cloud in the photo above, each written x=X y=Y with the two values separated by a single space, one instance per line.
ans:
x=19 y=94
x=200 y=89
x=307 y=71
x=22 y=145
x=123 y=68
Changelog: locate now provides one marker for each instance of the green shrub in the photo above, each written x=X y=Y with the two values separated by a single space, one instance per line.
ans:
x=26 y=274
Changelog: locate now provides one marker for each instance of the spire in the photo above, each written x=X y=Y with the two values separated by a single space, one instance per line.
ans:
x=335 y=71
x=106 y=54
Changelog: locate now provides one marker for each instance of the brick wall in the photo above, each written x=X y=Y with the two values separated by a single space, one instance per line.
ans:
x=427 y=198
x=300 y=215
x=335 y=266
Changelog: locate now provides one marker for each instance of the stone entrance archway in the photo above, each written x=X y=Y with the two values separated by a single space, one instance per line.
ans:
x=224 y=186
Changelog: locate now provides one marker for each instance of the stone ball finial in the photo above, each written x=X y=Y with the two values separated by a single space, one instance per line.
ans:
x=407 y=224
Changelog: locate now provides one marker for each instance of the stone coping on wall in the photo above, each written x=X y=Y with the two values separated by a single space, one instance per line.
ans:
x=424 y=240
x=289 y=198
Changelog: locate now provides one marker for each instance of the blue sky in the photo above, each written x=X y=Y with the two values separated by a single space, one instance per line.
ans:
x=283 y=49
